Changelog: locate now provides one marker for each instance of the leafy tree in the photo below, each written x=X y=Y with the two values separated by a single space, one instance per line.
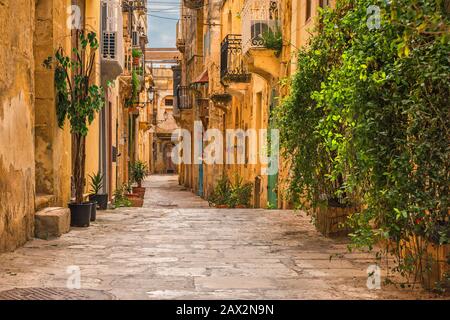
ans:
x=77 y=98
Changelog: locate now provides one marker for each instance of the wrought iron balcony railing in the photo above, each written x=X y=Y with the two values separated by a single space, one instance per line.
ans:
x=193 y=4
x=184 y=98
x=259 y=17
x=232 y=67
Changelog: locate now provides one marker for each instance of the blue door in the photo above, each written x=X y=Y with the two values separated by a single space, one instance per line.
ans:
x=272 y=193
x=200 y=172
x=200 y=179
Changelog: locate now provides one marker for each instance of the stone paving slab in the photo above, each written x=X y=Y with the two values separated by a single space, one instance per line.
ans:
x=190 y=251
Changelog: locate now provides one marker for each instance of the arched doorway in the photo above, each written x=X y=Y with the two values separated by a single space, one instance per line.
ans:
x=167 y=154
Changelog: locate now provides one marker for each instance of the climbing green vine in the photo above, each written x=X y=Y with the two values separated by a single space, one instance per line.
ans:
x=366 y=122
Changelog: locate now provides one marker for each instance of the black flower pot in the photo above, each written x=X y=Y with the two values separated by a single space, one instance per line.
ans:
x=93 y=210
x=102 y=200
x=80 y=214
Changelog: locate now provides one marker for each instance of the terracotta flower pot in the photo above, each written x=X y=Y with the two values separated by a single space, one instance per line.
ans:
x=222 y=206
x=241 y=206
x=139 y=191
x=136 y=61
x=135 y=199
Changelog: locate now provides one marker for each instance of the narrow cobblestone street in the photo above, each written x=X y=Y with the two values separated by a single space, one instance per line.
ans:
x=176 y=247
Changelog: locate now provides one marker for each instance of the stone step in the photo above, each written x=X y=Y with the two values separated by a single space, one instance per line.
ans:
x=51 y=222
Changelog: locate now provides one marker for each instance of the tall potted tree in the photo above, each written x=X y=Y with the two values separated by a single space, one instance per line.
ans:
x=78 y=100
x=139 y=171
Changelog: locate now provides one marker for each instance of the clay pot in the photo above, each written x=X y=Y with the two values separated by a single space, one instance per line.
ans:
x=139 y=191
x=136 y=200
x=222 y=206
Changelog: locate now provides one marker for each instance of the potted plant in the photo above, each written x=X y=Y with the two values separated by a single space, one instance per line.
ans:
x=139 y=171
x=220 y=197
x=120 y=200
x=241 y=194
x=96 y=184
x=273 y=40
x=136 y=54
x=134 y=198
x=78 y=100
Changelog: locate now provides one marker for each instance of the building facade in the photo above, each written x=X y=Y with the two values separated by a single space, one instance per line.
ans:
x=35 y=154
x=231 y=80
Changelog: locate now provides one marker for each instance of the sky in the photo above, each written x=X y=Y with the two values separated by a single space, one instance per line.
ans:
x=162 y=19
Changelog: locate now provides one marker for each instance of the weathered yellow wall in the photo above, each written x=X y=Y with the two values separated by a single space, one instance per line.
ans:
x=93 y=137
x=16 y=123
x=52 y=144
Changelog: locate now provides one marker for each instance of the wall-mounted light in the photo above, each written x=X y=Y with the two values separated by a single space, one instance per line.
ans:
x=150 y=94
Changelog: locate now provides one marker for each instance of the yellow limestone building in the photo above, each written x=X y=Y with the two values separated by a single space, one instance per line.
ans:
x=35 y=154
x=230 y=80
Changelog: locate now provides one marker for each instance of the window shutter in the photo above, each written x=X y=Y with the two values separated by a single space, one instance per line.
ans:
x=135 y=38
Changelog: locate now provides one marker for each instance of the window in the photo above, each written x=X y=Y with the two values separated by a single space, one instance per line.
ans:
x=207 y=43
x=135 y=39
x=308 y=10
x=258 y=29
x=168 y=102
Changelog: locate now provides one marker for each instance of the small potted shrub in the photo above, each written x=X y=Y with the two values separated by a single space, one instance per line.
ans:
x=78 y=101
x=139 y=171
x=241 y=194
x=220 y=197
x=120 y=200
x=273 y=40
x=96 y=184
x=135 y=199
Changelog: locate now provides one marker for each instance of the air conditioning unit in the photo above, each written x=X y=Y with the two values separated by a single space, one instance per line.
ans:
x=110 y=11
x=111 y=42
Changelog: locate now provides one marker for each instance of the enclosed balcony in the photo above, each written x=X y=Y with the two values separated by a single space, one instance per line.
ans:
x=184 y=98
x=232 y=67
x=193 y=4
x=259 y=18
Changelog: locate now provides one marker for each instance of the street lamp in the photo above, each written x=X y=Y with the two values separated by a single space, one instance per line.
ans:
x=151 y=94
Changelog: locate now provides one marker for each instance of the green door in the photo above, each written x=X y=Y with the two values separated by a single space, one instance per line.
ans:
x=272 y=194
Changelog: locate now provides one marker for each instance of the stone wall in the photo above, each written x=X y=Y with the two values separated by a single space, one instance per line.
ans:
x=35 y=158
x=52 y=145
x=17 y=173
